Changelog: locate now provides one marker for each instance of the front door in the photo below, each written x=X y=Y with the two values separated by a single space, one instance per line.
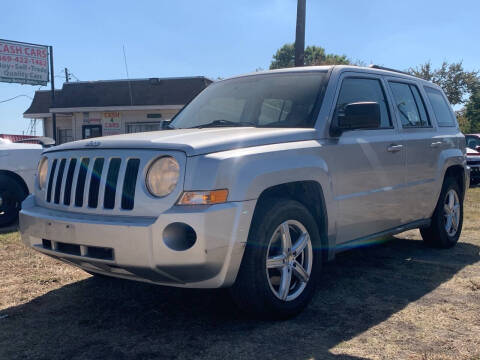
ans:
x=368 y=166
x=91 y=131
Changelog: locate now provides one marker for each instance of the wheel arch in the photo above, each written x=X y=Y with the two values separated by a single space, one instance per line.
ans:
x=17 y=178
x=458 y=173
x=310 y=194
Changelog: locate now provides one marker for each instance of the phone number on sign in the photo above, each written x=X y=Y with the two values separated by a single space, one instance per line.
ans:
x=22 y=60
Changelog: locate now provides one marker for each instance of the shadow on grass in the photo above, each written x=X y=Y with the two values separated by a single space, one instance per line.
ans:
x=105 y=318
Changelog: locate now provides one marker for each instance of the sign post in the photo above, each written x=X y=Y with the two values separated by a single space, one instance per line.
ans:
x=26 y=63
x=52 y=83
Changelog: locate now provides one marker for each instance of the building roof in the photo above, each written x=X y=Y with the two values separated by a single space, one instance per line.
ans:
x=115 y=93
x=41 y=102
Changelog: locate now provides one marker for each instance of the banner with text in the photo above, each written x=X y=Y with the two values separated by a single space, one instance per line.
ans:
x=23 y=63
x=111 y=123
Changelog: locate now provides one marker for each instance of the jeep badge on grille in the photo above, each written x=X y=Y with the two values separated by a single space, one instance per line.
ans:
x=93 y=143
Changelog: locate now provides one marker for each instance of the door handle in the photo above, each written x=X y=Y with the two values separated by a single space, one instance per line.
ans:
x=436 y=144
x=393 y=148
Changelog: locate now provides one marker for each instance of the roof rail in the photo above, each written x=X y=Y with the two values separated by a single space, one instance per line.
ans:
x=373 y=66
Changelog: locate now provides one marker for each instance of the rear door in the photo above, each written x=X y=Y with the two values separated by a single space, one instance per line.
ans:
x=423 y=145
x=367 y=166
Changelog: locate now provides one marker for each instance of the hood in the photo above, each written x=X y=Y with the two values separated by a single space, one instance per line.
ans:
x=195 y=141
x=471 y=152
x=7 y=145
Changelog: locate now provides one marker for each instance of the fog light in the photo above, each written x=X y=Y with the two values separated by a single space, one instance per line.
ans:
x=179 y=236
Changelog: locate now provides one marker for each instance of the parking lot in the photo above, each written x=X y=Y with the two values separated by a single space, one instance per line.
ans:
x=395 y=299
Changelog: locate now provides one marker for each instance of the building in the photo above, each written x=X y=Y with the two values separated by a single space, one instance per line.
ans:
x=97 y=108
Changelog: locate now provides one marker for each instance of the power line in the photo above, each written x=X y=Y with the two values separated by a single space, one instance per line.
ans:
x=128 y=77
x=15 y=97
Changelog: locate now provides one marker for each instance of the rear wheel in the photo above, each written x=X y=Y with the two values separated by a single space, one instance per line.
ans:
x=11 y=196
x=280 y=265
x=447 y=219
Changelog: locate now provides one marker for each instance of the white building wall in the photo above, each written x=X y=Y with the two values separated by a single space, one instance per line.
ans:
x=126 y=117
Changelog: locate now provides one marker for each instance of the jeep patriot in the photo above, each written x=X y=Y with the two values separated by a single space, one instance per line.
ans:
x=257 y=182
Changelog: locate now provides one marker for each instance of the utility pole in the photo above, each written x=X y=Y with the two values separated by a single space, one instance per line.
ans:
x=52 y=83
x=67 y=75
x=300 y=34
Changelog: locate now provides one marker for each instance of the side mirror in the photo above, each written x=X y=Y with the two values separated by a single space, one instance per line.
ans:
x=359 y=115
x=165 y=124
x=477 y=148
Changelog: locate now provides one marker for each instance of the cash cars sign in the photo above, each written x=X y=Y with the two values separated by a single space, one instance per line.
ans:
x=111 y=123
x=23 y=63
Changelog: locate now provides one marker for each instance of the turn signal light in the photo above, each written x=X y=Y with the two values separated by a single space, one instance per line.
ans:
x=203 y=197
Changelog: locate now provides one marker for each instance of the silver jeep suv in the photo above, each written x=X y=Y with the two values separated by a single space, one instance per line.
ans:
x=258 y=181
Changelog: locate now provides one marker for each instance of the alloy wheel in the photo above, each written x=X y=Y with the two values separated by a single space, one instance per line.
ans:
x=289 y=260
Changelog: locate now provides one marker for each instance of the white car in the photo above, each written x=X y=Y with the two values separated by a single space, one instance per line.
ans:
x=18 y=165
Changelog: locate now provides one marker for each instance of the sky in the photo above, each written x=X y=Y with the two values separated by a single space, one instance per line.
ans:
x=220 y=38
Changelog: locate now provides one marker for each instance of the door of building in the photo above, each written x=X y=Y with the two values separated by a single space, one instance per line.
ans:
x=91 y=131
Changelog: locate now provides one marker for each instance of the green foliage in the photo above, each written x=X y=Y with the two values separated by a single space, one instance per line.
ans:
x=472 y=113
x=314 y=55
x=457 y=83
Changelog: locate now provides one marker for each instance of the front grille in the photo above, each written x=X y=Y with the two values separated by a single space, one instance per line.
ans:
x=93 y=182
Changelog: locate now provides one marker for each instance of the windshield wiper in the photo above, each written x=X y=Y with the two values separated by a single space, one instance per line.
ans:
x=226 y=123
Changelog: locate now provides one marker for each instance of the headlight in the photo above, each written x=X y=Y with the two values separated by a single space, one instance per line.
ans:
x=42 y=172
x=162 y=176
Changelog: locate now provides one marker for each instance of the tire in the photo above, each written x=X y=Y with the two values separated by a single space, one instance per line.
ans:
x=261 y=291
x=11 y=196
x=437 y=235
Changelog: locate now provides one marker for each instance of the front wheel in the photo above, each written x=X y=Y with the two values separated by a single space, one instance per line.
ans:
x=447 y=219
x=11 y=197
x=281 y=262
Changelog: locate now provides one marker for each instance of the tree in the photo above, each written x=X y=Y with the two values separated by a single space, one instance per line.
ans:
x=457 y=83
x=314 y=55
x=472 y=113
x=463 y=121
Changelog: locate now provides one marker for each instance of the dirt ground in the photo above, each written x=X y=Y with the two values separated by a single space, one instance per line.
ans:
x=394 y=300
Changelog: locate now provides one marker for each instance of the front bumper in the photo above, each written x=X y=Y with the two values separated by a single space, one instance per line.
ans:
x=474 y=172
x=133 y=248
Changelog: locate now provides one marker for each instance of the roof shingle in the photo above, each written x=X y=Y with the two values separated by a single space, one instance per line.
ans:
x=105 y=93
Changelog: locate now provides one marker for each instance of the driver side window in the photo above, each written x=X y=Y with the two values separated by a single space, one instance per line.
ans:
x=355 y=90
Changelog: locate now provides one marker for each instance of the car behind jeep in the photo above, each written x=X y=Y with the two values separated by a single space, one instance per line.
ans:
x=260 y=179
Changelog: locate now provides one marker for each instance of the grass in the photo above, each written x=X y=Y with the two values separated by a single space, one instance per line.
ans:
x=397 y=300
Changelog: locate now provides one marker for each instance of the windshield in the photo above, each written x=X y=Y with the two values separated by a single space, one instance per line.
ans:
x=286 y=100
x=472 y=142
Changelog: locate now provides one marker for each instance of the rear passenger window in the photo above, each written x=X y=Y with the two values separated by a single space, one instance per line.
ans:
x=440 y=106
x=409 y=104
x=363 y=90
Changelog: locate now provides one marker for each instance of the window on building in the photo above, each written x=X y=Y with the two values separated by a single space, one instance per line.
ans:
x=363 y=90
x=154 y=116
x=441 y=108
x=410 y=106
x=142 y=127
x=64 y=135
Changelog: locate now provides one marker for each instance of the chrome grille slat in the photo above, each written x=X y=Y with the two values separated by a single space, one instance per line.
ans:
x=120 y=180
x=87 y=182
x=69 y=182
x=51 y=177
x=95 y=182
x=130 y=184
x=59 y=181
x=111 y=182
x=81 y=182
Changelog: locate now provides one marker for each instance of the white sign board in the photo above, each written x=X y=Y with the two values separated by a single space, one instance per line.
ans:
x=23 y=63
x=111 y=123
